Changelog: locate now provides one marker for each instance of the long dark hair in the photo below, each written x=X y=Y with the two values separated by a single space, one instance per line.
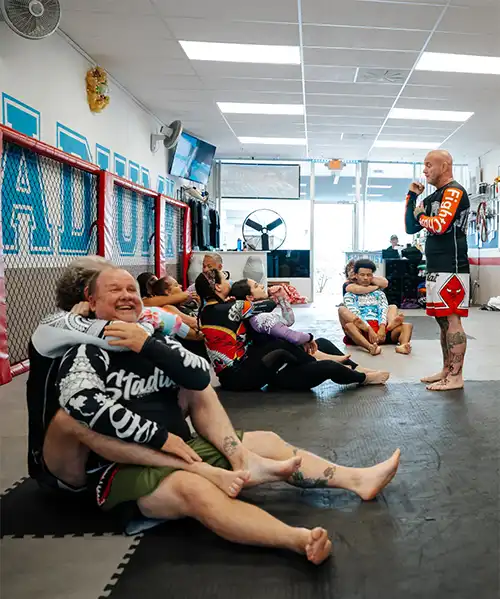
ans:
x=241 y=289
x=205 y=285
x=144 y=280
x=160 y=287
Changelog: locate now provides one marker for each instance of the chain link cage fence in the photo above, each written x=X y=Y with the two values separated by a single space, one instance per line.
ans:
x=133 y=246
x=174 y=241
x=48 y=211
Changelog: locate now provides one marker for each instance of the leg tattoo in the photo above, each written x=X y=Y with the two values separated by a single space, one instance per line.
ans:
x=299 y=480
x=229 y=445
x=457 y=344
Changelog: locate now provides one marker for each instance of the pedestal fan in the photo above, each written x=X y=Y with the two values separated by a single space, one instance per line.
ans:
x=264 y=230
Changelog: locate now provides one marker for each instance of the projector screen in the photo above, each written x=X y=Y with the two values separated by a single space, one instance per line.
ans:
x=267 y=181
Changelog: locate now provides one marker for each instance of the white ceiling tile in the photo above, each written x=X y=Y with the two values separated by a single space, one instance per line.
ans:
x=363 y=37
x=327 y=111
x=475 y=19
x=370 y=14
x=265 y=85
x=120 y=48
x=329 y=73
x=256 y=97
x=368 y=89
x=347 y=100
x=287 y=120
x=397 y=127
x=258 y=71
x=359 y=58
x=257 y=10
x=238 y=32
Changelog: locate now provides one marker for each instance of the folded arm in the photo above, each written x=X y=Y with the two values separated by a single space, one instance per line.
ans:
x=83 y=395
x=412 y=226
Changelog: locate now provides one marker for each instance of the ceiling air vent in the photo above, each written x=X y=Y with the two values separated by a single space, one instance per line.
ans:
x=381 y=76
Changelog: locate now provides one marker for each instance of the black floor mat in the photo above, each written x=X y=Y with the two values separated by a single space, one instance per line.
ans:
x=432 y=533
x=29 y=510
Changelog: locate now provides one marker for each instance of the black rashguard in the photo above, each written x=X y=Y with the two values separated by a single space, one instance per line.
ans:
x=128 y=396
x=445 y=218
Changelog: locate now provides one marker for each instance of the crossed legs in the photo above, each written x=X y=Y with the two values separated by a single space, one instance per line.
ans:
x=453 y=346
x=183 y=494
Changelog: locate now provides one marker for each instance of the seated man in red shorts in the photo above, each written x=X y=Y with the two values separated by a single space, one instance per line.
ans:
x=369 y=330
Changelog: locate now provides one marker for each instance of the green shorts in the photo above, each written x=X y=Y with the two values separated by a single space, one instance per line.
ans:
x=120 y=483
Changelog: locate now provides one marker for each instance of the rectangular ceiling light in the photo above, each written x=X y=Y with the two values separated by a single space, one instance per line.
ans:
x=255 y=108
x=408 y=145
x=459 y=63
x=277 y=141
x=241 y=52
x=417 y=114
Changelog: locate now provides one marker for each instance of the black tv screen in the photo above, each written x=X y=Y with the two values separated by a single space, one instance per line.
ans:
x=192 y=159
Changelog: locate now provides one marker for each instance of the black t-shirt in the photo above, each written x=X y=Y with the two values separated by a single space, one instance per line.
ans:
x=129 y=396
x=446 y=219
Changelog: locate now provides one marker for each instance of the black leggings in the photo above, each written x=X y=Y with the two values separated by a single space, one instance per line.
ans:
x=286 y=366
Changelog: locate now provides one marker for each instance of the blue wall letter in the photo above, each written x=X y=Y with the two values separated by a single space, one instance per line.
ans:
x=78 y=195
x=20 y=116
x=126 y=205
x=102 y=157
x=23 y=193
x=133 y=171
x=120 y=165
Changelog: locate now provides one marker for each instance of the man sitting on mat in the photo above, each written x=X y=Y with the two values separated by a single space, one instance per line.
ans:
x=100 y=388
x=369 y=329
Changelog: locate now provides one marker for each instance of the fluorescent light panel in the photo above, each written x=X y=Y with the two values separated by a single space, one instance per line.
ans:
x=255 y=53
x=459 y=63
x=429 y=115
x=277 y=141
x=408 y=145
x=254 y=108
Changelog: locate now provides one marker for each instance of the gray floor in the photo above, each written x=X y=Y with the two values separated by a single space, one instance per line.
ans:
x=425 y=530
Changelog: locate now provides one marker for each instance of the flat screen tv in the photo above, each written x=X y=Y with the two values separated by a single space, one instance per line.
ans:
x=192 y=159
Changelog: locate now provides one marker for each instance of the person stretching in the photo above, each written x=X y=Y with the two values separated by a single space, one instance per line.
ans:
x=394 y=316
x=371 y=310
x=94 y=389
x=244 y=366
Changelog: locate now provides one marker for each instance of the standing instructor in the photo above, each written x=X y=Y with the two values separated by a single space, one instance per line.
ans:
x=444 y=215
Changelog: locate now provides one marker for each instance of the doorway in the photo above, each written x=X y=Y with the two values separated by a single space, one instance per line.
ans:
x=333 y=235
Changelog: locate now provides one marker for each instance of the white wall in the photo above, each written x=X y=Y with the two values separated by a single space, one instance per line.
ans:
x=49 y=76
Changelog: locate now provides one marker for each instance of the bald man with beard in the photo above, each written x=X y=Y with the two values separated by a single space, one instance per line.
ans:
x=444 y=215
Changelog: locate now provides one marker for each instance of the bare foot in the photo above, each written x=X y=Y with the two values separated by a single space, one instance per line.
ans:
x=404 y=348
x=447 y=384
x=262 y=470
x=316 y=545
x=370 y=481
x=375 y=350
x=398 y=320
x=434 y=378
x=229 y=481
x=376 y=377
x=321 y=357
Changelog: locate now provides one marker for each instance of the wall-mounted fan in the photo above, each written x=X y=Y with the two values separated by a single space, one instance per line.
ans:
x=31 y=19
x=168 y=136
x=264 y=230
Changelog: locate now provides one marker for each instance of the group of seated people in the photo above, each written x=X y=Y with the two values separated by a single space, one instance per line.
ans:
x=112 y=381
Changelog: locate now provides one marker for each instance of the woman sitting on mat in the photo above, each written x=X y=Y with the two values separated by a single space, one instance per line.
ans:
x=244 y=366
x=147 y=281
x=277 y=323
